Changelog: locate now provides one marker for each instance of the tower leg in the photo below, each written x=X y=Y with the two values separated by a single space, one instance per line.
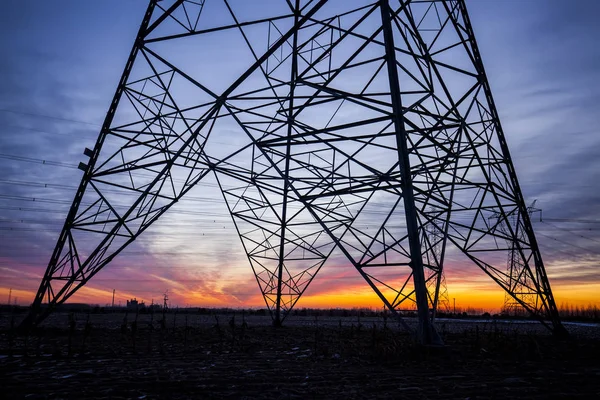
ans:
x=426 y=331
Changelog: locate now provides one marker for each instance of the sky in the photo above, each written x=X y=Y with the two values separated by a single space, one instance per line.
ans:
x=60 y=66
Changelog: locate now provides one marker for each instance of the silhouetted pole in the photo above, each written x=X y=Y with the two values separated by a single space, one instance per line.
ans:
x=426 y=331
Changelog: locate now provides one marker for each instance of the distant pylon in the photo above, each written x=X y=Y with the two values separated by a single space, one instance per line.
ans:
x=434 y=241
x=348 y=128
x=514 y=266
x=165 y=301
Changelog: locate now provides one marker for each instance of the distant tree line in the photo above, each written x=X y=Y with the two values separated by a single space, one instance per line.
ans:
x=568 y=312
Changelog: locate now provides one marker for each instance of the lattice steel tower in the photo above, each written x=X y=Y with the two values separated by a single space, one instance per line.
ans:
x=357 y=127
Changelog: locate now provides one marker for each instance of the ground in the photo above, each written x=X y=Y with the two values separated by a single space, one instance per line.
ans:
x=235 y=356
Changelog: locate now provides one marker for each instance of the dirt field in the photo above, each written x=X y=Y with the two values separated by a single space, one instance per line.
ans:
x=207 y=356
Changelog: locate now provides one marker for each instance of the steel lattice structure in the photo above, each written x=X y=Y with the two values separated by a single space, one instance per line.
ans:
x=514 y=266
x=366 y=128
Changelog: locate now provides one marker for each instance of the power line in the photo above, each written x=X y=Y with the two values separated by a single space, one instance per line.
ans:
x=186 y=223
x=574 y=233
x=58 y=201
x=186 y=198
x=575 y=220
x=41 y=131
x=133 y=253
x=554 y=249
x=567 y=243
x=67 y=187
x=33 y=199
x=73 y=166
x=30 y=114
x=37 y=161
x=47 y=210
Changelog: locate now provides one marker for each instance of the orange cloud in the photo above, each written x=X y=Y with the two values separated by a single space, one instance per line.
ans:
x=337 y=285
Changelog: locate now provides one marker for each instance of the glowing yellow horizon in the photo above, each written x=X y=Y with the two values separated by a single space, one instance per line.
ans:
x=465 y=296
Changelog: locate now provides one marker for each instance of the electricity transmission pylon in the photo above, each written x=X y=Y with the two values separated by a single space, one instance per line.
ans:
x=518 y=284
x=435 y=280
x=349 y=128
